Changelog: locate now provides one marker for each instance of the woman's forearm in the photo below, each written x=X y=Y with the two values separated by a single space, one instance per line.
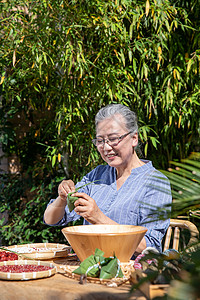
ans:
x=55 y=211
x=142 y=245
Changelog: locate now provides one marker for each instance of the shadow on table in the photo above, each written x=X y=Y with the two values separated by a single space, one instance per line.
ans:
x=99 y=296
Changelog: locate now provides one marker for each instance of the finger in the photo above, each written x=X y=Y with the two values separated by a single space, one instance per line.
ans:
x=71 y=185
x=61 y=192
x=68 y=186
x=80 y=202
x=80 y=209
x=82 y=195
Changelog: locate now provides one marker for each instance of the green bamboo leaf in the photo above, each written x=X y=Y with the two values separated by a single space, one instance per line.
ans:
x=134 y=66
x=189 y=64
x=122 y=57
x=40 y=69
x=144 y=132
x=99 y=266
x=53 y=160
x=154 y=141
x=71 y=149
x=59 y=127
x=89 y=266
x=110 y=93
x=45 y=57
x=145 y=71
x=53 y=151
x=130 y=55
x=111 y=269
x=145 y=149
x=36 y=89
x=78 y=57
x=167 y=25
x=45 y=3
x=81 y=75
x=131 y=31
x=18 y=98
x=83 y=58
x=71 y=199
x=70 y=63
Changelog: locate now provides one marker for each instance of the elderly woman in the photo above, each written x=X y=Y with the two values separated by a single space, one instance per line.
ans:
x=128 y=190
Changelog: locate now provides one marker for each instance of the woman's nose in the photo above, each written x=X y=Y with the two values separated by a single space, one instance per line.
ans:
x=106 y=145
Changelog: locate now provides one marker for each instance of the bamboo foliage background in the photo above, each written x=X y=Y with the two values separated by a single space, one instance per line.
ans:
x=60 y=61
x=72 y=57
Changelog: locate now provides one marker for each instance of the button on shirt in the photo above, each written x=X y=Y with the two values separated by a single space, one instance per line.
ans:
x=144 y=193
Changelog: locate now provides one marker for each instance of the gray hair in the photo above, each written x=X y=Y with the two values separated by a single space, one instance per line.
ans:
x=110 y=110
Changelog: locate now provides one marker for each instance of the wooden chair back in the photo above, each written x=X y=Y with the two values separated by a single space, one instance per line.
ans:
x=172 y=237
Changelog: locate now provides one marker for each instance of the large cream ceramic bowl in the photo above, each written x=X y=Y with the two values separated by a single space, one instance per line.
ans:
x=121 y=240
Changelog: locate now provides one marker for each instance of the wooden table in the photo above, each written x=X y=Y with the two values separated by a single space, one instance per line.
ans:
x=61 y=287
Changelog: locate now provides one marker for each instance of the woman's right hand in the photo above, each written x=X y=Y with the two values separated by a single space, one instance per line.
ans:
x=64 y=188
x=55 y=211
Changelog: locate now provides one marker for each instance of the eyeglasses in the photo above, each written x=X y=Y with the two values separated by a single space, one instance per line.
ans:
x=112 y=141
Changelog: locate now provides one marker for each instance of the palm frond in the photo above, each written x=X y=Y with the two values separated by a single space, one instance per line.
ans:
x=185 y=183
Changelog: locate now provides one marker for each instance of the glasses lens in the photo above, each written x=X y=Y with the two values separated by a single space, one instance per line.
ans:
x=113 y=141
x=98 y=142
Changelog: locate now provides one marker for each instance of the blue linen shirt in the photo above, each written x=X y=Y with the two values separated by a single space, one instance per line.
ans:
x=137 y=201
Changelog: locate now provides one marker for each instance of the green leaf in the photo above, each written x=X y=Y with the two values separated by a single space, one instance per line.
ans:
x=45 y=57
x=89 y=266
x=71 y=199
x=18 y=98
x=111 y=269
x=54 y=160
x=99 y=266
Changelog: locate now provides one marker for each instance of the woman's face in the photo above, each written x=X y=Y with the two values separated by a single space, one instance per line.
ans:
x=120 y=155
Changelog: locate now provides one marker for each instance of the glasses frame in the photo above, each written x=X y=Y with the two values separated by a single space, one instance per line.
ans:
x=120 y=138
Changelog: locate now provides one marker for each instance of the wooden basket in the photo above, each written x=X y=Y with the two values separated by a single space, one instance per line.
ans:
x=27 y=275
x=49 y=251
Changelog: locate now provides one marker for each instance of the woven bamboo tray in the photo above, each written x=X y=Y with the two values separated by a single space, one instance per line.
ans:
x=27 y=275
x=48 y=251
x=68 y=266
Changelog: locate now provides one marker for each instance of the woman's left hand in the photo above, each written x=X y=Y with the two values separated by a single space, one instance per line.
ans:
x=87 y=208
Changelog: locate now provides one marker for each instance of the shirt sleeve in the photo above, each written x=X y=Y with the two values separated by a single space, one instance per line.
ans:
x=154 y=211
x=68 y=217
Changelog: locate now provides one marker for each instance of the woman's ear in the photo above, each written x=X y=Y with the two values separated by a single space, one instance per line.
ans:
x=135 y=139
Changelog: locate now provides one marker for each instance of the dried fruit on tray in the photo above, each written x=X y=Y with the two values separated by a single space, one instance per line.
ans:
x=6 y=255
x=24 y=268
